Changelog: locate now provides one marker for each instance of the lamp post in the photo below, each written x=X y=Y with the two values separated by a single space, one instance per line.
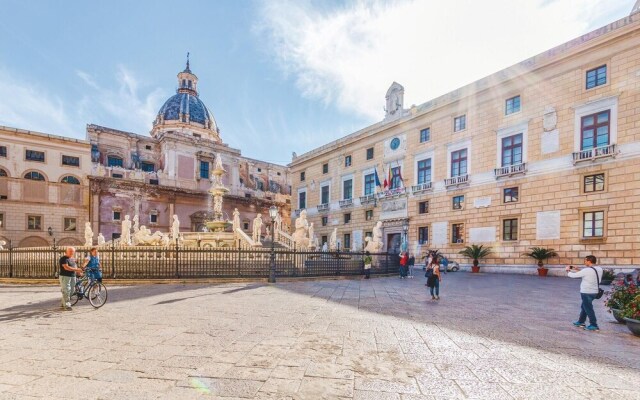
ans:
x=50 y=232
x=273 y=213
x=405 y=231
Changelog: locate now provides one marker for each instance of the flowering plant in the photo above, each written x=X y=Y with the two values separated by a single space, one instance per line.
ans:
x=620 y=296
x=632 y=309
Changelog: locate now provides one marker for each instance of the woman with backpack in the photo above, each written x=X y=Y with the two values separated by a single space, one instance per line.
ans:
x=433 y=279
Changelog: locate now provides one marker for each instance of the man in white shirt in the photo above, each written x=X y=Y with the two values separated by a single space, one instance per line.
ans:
x=591 y=276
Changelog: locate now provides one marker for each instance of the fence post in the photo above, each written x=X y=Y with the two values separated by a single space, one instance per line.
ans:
x=113 y=259
x=386 y=265
x=55 y=263
x=177 y=264
x=239 y=258
x=10 y=260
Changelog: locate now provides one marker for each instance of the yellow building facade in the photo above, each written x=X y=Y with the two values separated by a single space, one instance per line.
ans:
x=544 y=153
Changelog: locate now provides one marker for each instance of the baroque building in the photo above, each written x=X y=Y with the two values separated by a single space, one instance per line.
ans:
x=168 y=172
x=543 y=153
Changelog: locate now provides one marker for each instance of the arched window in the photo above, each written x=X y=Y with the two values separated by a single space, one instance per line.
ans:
x=34 y=176
x=70 y=180
x=3 y=173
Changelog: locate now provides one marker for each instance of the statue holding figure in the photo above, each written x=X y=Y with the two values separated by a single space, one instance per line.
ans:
x=333 y=240
x=125 y=234
x=236 y=219
x=88 y=234
x=101 y=240
x=374 y=243
x=257 y=228
x=175 y=229
x=301 y=234
x=218 y=165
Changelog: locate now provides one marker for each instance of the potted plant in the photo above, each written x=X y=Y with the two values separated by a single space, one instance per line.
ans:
x=607 y=277
x=631 y=313
x=618 y=299
x=475 y=252
x=541 y=254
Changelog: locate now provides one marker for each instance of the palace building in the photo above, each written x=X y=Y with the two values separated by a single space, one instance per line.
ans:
x=543 y=153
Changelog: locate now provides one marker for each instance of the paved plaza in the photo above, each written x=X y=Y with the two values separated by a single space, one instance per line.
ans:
x=491 y=336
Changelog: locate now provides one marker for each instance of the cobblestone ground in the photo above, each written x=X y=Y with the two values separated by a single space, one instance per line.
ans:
x=491 y=336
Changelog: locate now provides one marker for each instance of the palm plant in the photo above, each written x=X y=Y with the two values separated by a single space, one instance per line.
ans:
x=476 y=252
x=541 y=254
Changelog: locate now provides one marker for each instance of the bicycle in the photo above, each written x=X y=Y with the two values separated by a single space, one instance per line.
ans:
x=90 y=289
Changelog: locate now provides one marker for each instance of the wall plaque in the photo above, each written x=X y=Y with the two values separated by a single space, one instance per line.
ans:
x=439 y=232
x=548 y=225
x=482 y=235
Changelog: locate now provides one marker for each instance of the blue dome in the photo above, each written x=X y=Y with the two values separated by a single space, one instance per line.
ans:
x=185 y=103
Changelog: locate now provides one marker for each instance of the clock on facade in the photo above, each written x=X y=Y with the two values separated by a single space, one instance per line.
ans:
x=395 y=143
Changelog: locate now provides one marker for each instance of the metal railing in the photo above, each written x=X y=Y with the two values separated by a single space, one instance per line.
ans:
x=456 y=180
x=509 y=170
x=423 y=187
x=322 y=207
x=188 y=262
x=368 y=199
x=595 y=153
x=346 y=203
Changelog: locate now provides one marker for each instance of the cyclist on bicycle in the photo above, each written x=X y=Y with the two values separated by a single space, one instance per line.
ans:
x=92 y=265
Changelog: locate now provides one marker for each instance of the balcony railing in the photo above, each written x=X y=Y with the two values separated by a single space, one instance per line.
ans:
x=510 y=170
x=456 y=180
x=368 y=199
x=346 y=203
x=421 y=188
x=392 y=193
x=323 y=207
x=594 y=154
x=297 y=212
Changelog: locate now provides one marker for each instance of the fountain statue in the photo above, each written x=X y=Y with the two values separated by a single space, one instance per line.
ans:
x=277 y=226
x=88 y=234
x=101 y=240
x=218 y=190
x=175 y=229
x=333 y=240
x=144 y=237
x=312 y=238
x=257 y=228
x=301 y=235
x=2 y=244
x=236 y=219
x=375 y=244
x=125 y=234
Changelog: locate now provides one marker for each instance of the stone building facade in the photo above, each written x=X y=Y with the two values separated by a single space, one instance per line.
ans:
x=543 y=153
x=43 y=184
x=169 y=172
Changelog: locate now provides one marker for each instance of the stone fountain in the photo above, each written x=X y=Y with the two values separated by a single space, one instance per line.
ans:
x=217 y=190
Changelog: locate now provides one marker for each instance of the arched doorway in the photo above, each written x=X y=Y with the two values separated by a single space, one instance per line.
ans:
x=33 y=241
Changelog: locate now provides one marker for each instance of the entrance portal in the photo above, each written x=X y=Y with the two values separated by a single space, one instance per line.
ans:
x=394 y=240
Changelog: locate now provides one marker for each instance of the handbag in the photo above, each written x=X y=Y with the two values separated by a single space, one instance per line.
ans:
x=600 y=291
x=428 y=273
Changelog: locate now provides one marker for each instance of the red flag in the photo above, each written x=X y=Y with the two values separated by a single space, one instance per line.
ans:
x=386 y=181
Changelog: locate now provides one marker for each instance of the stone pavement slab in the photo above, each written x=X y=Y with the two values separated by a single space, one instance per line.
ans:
x=489 y=337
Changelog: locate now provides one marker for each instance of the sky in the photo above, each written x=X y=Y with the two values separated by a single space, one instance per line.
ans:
x=278 y=76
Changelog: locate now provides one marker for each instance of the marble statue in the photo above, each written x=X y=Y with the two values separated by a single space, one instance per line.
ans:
x=144 y=237
x=88 y=234
x=375 y=244
x=257 y=228
x=311 y=234
x=125 y=234
x=236 y=219
x=2 y=244
x=218 y=165
x=301 y=234
x=175 y=229
x=333 y=240
x=136 y=223
x=101 y=240
x=217 y=205
x=325 y=247
x=278 y=223
x=166 y=240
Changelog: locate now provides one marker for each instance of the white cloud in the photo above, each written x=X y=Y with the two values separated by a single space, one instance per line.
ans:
x=349 y=56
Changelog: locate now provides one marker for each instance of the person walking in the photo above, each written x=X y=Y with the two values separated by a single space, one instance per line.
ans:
x=444 y=261
x=589 y=288
x=410 y=263
x=367 y=265
x=67 y=276
x=404 y=259
x=433 y=280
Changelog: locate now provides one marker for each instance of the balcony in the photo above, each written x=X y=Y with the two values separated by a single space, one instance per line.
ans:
x=595 y=154
x=456 y=180
x=346 y=203
x=368 y=199
x=323 y=207
x=421 y=188
x=296 y=213
x=397 y=192
x=510 y=170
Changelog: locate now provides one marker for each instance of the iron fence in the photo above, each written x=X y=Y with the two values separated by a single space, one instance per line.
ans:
x=177 y=262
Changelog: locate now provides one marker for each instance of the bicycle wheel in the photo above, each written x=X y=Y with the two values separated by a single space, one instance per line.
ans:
x=73 y=299
x=97 y=295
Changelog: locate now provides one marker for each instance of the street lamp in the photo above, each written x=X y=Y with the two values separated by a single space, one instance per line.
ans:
x=273 y=213
x=50 y=232
x=405 y=230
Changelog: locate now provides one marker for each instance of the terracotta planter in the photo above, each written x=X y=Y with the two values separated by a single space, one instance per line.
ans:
x=543 y=271
x=475 y=269
x=633 y=325
x=617 y=314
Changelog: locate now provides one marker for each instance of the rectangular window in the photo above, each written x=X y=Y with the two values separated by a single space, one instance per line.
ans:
x=458 y=163
x=457 y=233
x=425 y=135
x=369 y=184
x=368 y=234
x=116 y=215
x=154 y=182
x=396 y=177
x=33 y=155
x=593 y=224
x=260 y=185
x=302 y=200
x=510 y=195
x=34 y=222
x=424 y=171
x=259 y=169
x=115 y=236
x=512 y=105
x=346 y=244
x=147 y=147
x=460 y=123
x=423 y=207
x=71 y=161
x=325 y=239
x=368 y=215
x=347 y=189
x=347 y=161
x=324 y=194
x=597 y=76
x=423 y=234
x=153 y=218
x=204 y=169
x=594 y=183
x=325 y=168
x=595 y=130
x=117 y=176
x=3 y=151
x=114 y=161
x=370 y=153
x=70 y=225
x=458 y=202
x=325 y=221
x=303 y=176
x=510 y=229
x=512 y=150
x=147 y=166
x=347 y=218
x=245 y=226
